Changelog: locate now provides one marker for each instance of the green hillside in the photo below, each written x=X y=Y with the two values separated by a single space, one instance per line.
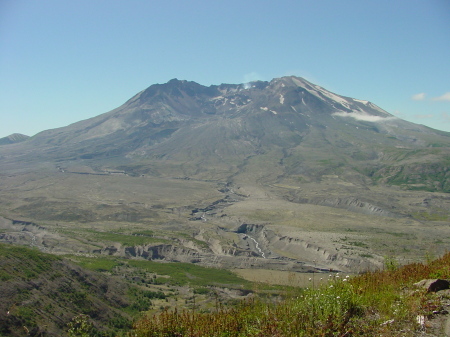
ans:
x=42 y=293
x=47 y=295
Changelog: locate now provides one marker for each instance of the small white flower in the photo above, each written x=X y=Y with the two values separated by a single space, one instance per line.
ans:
x=338 y=297
x=310 y=279
x=421 y=320
x=387 y=322
x=331 y=286
x=344 y=280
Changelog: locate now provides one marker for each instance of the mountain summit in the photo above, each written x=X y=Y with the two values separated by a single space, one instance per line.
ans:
x=211 y=131
x=13 y=138
x=221 y=126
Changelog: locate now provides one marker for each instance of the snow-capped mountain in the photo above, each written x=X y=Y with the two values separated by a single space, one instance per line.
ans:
x=218 y=128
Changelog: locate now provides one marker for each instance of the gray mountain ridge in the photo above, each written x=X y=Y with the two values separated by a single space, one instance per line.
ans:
x=279 y=111
x=13 y=138
x=226 y=124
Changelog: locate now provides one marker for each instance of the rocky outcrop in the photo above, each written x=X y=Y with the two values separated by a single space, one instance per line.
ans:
x=355 y=205
x=267 y=244
x=433 y=285
x=164 y=252
x=324 y=258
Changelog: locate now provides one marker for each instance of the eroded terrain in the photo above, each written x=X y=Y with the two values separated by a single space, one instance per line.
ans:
x=241 y=223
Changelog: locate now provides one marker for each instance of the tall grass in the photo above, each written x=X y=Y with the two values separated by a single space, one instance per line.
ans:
x=188 y=273
x=373 y=304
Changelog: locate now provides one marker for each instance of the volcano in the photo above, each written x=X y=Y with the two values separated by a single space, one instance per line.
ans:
x=285 y=153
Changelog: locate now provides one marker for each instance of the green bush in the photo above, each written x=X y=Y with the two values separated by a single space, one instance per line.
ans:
x=81 y=326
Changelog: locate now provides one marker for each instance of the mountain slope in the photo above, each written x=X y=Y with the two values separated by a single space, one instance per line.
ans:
x=221 y=126
x=14 y=138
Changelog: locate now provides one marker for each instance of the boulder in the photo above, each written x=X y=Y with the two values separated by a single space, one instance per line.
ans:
x=433 y=285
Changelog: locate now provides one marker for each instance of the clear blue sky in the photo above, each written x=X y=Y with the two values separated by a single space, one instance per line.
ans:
x=62 y=61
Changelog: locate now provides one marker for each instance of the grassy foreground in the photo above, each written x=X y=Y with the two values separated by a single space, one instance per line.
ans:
x=383 y=303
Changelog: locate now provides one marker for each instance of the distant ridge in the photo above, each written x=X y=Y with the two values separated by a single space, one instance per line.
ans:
x=14 y=138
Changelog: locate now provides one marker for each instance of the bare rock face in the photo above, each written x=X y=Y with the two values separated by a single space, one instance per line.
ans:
x=433 y=285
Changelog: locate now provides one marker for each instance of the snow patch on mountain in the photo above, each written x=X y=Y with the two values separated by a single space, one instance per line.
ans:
x=361 y=101
x=321 y=93
x=348 y=103
x=298 y=82
x=332 y=96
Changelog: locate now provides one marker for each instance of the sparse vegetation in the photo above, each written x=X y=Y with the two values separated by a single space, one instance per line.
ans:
x=372 y=304
x=438 y=216
x=191 y=274
x=41 y=293
x=98 y=263
x=125 y=239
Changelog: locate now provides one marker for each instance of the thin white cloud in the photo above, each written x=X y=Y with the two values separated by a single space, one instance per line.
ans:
x=363 y=117
x=253 y=76
x=418 y=97
x=444 y=97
